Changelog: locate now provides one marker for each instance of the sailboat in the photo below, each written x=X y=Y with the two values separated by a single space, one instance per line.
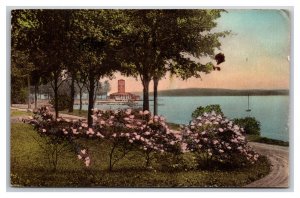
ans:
x=248 y=110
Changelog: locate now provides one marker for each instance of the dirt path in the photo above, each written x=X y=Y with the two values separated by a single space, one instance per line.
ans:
x=279 y=158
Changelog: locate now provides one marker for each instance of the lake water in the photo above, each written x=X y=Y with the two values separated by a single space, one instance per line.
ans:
x=271 y=111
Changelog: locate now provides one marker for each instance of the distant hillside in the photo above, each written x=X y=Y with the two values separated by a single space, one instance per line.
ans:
x=220 y=92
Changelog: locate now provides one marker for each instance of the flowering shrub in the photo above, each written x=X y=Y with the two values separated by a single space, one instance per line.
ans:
x=132 y=129
x=212 y=137
x=59 y=134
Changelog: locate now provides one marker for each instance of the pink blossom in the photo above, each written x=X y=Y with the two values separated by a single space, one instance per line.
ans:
x=87 y=162
x=99 y=135
x=90 y=131
x=236 y=127
x=83 y=151
x=128 y=111
x=162 y=118
x=221 y=130
x=114 y=135
x=129 y=125
x=221 y=151
x=44 y=130
x=207 y=122
x=215 y=142
x=79 y=156
x=199 y=118
x=94 y=117
x=146 y=112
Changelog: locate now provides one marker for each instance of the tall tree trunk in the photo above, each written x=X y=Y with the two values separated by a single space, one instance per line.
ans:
x=91 y=98
x=36 y=88
x=80 y=99
x=95 y=94
x=155 y=86
x=146 y=82
x=72 y=94
x=28 y=84
x=56 y=96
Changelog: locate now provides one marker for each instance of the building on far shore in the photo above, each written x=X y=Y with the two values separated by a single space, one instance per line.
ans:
x=121 y=95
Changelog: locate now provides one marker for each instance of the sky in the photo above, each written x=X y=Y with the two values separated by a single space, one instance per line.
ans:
x=257 y=55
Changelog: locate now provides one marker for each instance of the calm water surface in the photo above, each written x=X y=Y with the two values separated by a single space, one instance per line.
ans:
x=271 y=111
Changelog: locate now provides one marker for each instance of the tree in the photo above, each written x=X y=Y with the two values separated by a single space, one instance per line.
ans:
x=43 y=37
x=99 y=33
x=169 y=40
x=21 y=65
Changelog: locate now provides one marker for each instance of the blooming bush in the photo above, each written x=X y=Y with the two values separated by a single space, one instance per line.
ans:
x=212 y=137
x=133 y=129
x=59 y=134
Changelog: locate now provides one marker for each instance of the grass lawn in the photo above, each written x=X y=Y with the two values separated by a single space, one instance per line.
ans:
x=15 y=113
x=76 y=112
x=30 y=168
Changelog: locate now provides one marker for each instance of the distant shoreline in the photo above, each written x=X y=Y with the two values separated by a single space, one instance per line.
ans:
x=220 y=92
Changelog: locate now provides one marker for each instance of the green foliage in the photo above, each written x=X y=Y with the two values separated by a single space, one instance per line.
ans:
x=169 y=162
x=19 y=94
x=63 y=101
x=208 y=109
x=250 y=125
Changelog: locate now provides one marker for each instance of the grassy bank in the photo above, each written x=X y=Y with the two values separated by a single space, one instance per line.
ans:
x=30 y=168
x=16 y=113
x=76 y=112
x=256 y=138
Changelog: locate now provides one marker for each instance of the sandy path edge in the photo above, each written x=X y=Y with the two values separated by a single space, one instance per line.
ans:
x=279 y=159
